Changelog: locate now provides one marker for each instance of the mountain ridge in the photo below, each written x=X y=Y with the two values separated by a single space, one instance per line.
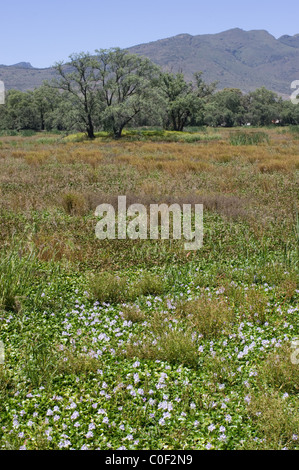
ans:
x=23 y=65
x=235 y=58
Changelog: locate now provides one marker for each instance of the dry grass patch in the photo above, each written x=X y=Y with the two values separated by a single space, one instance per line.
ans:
x=273 y=166
x=278 y=371
x=251 y=303
x=74 y=203
x=133 y=313
x=276 y=417
x=37 y=157
x=276 y=421
x=150 y=284
x=106 y=287
x=74 y=363
x=54 y=246
x=211 y=317
x=255 y=306
x=287 y=288
x=18 y=154
x=173 y=346
x=88 y=157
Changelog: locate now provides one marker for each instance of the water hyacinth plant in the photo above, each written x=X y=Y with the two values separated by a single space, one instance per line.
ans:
x=140 y=344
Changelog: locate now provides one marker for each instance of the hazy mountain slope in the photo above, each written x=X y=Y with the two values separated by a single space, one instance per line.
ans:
x=24 y=78
x=235 y=58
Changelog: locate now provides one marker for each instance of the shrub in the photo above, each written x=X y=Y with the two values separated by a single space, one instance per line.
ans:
x=276 y=422
x=150 y=284
x=279 y=372
x=252 y=303
x=7 y=384
x=133 y=313
x=27 y=133
x=246 y=138
x=17 y=270
x=72 y=363
x=74 y=203
x=106 y=287
x=39 y=358
x=209 y=317
x=174 y=347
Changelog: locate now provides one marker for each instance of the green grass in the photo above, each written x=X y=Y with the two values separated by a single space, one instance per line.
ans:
x=139 y=344
x=248 y=138
x=17 y=270
x=156 y=135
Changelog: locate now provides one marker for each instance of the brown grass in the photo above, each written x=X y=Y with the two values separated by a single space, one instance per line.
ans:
x=175 y=347
x=255 y=184
x=276 y=422
x=208 y=317
x=278 y=371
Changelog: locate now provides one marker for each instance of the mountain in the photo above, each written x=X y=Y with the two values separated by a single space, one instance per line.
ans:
x=23 y=76
x=23 y=65
x=235 y=58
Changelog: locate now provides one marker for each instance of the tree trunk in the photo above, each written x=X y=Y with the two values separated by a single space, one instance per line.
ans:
x=42 y=121
x=117 y=131
x=90 y=130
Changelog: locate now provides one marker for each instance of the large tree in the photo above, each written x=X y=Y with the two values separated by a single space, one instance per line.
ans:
x=78 y=79
x=112 y=87
x=127 y=84
x=289 y=113
x=184 y=100
x=45 y=100
x=128 y=88
x=19 y=111
x=226 y=108
x=263 y=107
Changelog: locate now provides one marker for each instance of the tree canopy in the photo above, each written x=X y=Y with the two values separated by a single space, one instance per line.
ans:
x=113 y=89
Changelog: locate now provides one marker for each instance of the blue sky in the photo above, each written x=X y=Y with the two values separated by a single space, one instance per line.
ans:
x=43 y=32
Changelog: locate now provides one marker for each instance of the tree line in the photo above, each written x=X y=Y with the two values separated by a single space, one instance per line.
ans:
x=113 y=89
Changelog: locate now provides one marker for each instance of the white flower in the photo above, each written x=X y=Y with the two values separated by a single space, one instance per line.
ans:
x=74 y=415
x=247 y=399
